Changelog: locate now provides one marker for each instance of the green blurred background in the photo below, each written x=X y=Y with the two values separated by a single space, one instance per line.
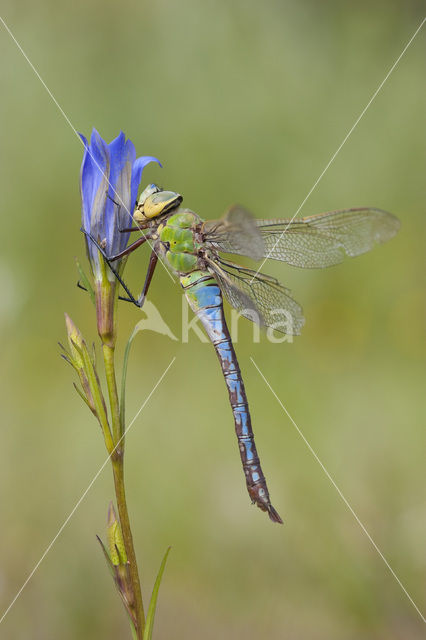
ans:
x=242 y=101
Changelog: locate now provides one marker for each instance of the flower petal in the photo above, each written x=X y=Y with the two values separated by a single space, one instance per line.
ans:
x=109 y=181
x=117 y=211
x=85 y=192
x=94 y=184
x=138 y=166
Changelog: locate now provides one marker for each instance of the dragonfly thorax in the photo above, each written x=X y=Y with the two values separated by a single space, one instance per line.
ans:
x=180 y=242
x=154 y=202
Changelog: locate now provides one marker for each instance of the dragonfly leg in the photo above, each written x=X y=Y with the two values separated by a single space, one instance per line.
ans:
x=119 y=255
x=80 y=286
x=137 y=243
x=107 y=259
x=112 y=200
x=151 y=268
x=131 y=298
x=130 y=229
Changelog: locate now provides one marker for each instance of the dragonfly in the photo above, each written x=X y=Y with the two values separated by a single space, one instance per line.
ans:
x=193 y=250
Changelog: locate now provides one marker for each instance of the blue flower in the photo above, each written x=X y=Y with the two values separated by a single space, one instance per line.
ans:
x=109 y=181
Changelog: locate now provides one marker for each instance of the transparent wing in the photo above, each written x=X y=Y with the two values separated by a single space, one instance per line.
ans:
x=237 y=298
x=324 y=239
x=237 y=232
x=259 y=297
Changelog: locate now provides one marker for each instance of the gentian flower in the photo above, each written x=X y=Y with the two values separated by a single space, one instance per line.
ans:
x=109 y=181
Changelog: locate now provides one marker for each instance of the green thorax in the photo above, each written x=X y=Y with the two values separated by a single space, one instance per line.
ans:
x=178 y=235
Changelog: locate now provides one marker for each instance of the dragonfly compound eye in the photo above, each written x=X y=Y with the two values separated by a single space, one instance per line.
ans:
x=159 y=203
x=148 y=191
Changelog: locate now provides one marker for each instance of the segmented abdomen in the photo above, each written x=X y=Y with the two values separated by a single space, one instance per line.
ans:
x=205 y=299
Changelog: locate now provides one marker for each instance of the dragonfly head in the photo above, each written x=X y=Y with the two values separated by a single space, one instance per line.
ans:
x=154 y=202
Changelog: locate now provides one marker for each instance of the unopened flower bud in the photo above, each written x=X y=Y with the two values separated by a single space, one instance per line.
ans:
x=116 y=547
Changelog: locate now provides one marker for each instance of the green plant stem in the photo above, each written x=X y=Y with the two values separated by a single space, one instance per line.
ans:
x=118 y=472
x=117 y=427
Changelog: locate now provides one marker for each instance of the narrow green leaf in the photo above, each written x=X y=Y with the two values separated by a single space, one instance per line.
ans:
x=81 y=394
x=97 y=395
x=114 y=577
x=67 y=356
x=67 y=359
x=107 y=558
x=86 y=282
x=153 y=603
x=94 y=357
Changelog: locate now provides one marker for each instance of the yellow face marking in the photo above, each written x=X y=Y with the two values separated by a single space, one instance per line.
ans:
x=138 y=215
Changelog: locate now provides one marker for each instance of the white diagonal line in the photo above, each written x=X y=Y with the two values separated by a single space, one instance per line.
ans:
x=333 y=157
x=84 y=494
x=80 y=140
x=339 y=492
